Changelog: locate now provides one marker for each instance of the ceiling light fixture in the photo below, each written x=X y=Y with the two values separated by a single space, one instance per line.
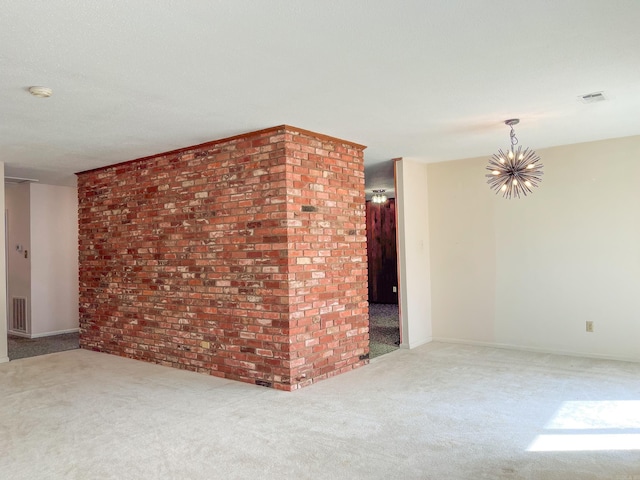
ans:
x=515 y=172
x=379 y=196
x=41 y=92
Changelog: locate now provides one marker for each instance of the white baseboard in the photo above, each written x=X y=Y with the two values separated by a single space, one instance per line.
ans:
x=57 y=332
x=45 y=334
x=409 y=346
x=4 y=359
x=18 y=334
x=524 y=348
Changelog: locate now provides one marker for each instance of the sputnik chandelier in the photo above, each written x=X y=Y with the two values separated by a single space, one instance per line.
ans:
x=379 y=196
x=515 y=172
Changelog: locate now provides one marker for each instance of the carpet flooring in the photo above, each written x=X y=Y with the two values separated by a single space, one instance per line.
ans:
x=384 y=329
x=20 y=347
x=439 y=411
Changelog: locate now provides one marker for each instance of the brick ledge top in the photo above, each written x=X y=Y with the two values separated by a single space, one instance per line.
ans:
x=285 y=128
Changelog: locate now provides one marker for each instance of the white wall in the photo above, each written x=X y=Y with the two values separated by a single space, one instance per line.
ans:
x=54 y=259
x=413 y=248
x=18 y=234
x=528 y=273
x=4 y=357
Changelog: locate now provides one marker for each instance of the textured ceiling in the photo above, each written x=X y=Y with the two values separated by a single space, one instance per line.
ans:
x=427 y=80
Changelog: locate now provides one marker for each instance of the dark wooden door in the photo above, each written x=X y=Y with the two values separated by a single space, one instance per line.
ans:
x=382 y=253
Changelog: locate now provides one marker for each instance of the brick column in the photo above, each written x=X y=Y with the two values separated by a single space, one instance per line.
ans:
x=243 y=258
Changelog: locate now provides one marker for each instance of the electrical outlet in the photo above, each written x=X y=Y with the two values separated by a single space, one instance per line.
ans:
x=395 y=289
x=589 y=326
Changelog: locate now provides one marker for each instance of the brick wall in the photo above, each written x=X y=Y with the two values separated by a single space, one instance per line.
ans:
x=243 y=258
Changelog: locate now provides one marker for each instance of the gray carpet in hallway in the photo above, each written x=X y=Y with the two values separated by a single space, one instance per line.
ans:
x=384 y=329
x=20 y=347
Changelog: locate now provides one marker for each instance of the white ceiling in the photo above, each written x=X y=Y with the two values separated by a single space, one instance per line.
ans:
x=429 y=80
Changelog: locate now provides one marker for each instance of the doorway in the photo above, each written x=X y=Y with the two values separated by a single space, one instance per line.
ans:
x=41 y=258
x=384 y=321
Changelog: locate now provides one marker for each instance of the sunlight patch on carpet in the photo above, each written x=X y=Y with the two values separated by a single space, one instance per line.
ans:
x=585 y=442
x=591 y=425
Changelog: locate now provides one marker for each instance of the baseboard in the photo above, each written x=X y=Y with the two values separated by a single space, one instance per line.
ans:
x=57 y=332
x=523 y=348
x=409 y=346
x=45 y=334
x=18 y=334
x=4 y=359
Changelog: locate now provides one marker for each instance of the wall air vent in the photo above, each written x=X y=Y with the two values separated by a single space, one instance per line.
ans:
x=19 y=314
x=592 y=97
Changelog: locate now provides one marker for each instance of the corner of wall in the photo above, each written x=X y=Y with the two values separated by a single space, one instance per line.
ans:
x=17 y=208
x=4 y=351
x=54 y=259
x=414 y=253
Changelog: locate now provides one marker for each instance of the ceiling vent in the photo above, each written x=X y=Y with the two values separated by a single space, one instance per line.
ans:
x=593 y=97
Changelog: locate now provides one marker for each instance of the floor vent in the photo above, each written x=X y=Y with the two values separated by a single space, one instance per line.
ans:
x=19 y=317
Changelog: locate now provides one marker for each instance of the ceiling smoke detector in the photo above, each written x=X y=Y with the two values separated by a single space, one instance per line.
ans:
x=41 y=92
x=592 y=97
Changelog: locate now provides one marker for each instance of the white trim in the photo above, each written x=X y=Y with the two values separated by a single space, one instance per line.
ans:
x=4 y=319
x=57 y=332
x=524 y=348
x=6 y=263
x=409 y=346
x=45 y=334
x=16 y=333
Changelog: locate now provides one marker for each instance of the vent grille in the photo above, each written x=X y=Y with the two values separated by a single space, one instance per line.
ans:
x=593 y=97
x=19 y=316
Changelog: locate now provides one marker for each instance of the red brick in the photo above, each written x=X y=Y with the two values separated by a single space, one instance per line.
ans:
x=242 y=258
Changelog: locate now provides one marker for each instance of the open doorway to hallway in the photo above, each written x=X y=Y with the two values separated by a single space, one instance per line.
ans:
x=384 y=321
x=41 y=255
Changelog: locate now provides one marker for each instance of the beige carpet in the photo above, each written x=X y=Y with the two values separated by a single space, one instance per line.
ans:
x=437 y=412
